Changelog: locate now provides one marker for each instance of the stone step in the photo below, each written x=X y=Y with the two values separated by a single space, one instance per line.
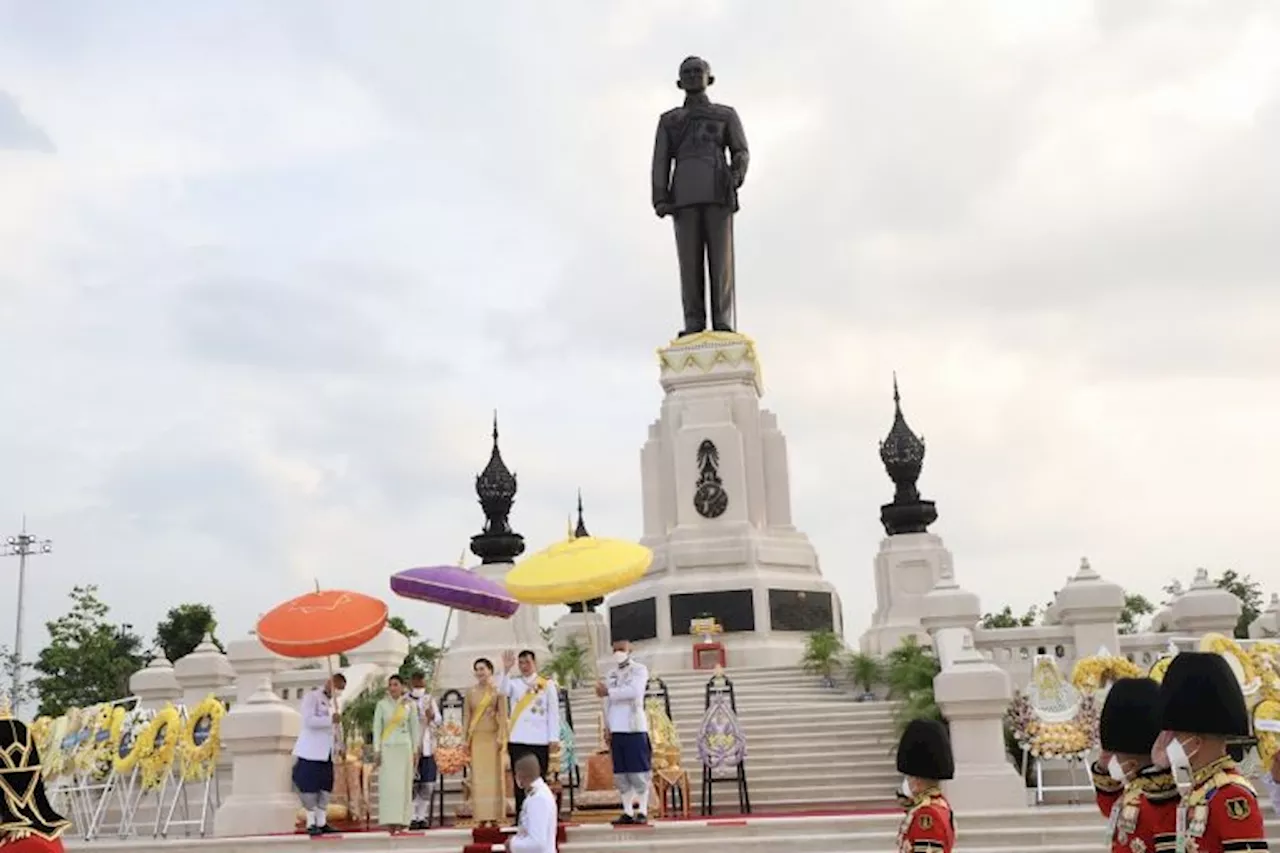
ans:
x=760 y=759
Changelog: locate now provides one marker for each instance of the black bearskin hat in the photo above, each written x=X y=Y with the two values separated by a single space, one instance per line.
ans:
x=24 y=807
x=1200 y=695
x=1129 y=723
x=925 y=751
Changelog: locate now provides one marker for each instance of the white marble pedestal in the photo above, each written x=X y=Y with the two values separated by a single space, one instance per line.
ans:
x=488 y=637
x=906 y=569
x=717 y=514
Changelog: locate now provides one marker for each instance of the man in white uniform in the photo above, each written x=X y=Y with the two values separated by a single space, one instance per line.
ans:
x=538 y=818
x=425 y=774
x=623 y=691
x=313 y=753
x=535 y=713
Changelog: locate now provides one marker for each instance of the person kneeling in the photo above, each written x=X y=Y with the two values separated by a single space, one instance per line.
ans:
x=536 y=832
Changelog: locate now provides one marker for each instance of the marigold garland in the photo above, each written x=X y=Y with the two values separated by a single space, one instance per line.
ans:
x=1231 y=650
x=157 y=746
x=1091 y=674
x=198 y=752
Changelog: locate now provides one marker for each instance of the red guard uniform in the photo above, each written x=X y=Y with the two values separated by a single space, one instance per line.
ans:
x=1147 y=816
x=32 y=844
x=928 y=826
x=1222 y=813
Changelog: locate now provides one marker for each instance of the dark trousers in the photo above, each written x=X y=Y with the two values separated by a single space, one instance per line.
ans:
x=704 y=245
x=514 y=752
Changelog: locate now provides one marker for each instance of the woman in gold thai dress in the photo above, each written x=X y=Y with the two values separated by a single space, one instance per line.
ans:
x=486 y=711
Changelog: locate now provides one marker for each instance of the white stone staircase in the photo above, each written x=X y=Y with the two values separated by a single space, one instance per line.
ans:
x=809 y=747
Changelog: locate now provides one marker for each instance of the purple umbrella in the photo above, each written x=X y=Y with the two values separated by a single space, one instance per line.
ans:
x=456 y=588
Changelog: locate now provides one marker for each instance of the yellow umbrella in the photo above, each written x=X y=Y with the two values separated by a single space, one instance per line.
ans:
x=576 y=571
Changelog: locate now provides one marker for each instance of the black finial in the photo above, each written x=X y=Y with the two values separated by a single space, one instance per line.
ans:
x=496 y=489
x=902 y=453
x=578 y=533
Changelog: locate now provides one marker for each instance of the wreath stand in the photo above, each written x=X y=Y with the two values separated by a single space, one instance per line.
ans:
x=719 y=685
x=1072 y=789
x=451 y=707
x=125 y=788
x=171 y=779
x=210 y=798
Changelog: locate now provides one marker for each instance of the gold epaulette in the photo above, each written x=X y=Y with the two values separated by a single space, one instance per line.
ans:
x=1221 y=779
x=1157 y=787
x=1103 y=782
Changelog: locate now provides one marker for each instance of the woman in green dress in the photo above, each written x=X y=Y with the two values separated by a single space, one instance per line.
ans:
x=396 y=738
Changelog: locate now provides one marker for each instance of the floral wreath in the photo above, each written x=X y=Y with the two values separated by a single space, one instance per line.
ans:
x=201 y=739
x=1268 y=710
x=1069 y=739
x=1238 y=658
x=62 y=744
x=1096 y=672
x=106 y=740
x=42 y=735
x=157 y=745
x=82 y=756
x=1265 y=657
x=127 y=751
x=451 y=751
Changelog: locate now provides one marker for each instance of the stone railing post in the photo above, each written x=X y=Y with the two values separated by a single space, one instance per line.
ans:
x=949 y=613
x=155 y=685
x=206 y=670
x=260 y=733
x=1268 y=622
x=974 y=694
x=1091 y=607
x=1206 y=608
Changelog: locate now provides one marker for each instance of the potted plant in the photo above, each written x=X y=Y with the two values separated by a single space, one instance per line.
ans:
x=865 y=671
x=909 y=672
x=568 y=665
x=822 y=655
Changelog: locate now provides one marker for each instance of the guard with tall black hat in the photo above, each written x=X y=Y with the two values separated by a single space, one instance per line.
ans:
x=924 y=759
x=28 y=824
x=1202 y=710
x=1139 y=799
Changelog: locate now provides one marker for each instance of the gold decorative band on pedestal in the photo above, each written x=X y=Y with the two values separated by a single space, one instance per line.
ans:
x=704 y=351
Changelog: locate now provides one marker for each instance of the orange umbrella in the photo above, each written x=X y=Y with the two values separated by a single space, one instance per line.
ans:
x=322 y=623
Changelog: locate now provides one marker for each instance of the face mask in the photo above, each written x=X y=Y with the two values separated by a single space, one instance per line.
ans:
x=1179 y=758
x=620 y=658
x=1115 y=771
x=418 y=692
x=905 y=790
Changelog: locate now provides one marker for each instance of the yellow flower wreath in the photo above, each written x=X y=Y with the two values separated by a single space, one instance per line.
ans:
x=1268 y=742
x=106 y=740
x=81 y=756
x=1265 y=657
x=1231 y=650
x=128 y=747
x=57 y=758
x=202 y=740
x=1090 y=674
x=157 y=746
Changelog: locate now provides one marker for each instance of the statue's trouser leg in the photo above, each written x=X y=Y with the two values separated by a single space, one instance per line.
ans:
x=691 y=252
x=718 y=226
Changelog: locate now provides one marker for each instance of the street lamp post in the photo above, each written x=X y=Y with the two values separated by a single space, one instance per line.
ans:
x=22 y=546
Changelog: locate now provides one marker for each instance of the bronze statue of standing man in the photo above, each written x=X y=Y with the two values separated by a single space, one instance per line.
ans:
x=695 y=183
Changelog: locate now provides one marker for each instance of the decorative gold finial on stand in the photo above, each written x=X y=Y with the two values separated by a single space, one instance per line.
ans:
x=6 y=709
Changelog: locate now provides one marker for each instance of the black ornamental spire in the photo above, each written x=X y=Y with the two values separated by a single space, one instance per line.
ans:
x=496 y=489
x=902 y=453
x=578 y=533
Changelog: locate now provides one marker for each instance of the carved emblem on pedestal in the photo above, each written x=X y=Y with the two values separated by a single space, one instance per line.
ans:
x=710 y=498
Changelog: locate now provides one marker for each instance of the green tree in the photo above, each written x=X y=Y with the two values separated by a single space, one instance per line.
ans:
x=909 y=671
x=15 y=672
x=1249 y=591
x=88 y=659
x=184 y=628
x=1006 y=619
x=1135 y=607
x=568 y=664
x=422 y=655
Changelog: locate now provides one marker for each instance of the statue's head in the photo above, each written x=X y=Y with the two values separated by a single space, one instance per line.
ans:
x=695 y=75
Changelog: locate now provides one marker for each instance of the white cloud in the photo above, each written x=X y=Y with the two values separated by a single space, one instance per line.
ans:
x=263 y=293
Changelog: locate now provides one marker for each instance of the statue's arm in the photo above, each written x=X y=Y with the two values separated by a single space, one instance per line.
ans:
x=661 y=167
x=739 y=156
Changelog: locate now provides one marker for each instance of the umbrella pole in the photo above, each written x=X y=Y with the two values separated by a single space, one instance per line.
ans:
x=435 y=669
x=595 y=664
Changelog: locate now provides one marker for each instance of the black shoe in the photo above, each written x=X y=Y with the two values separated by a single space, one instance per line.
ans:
x=313 y=831
x=418 y=825
x=684 y=333
x=624 y=820
x=641 y=819
x=326 y=830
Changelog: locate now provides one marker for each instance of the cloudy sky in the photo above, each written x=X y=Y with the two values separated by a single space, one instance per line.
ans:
x=267 y=268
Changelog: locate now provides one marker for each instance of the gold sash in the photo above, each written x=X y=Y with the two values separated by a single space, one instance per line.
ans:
x=527 y=699
x=478 y=713
x=396 y=719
